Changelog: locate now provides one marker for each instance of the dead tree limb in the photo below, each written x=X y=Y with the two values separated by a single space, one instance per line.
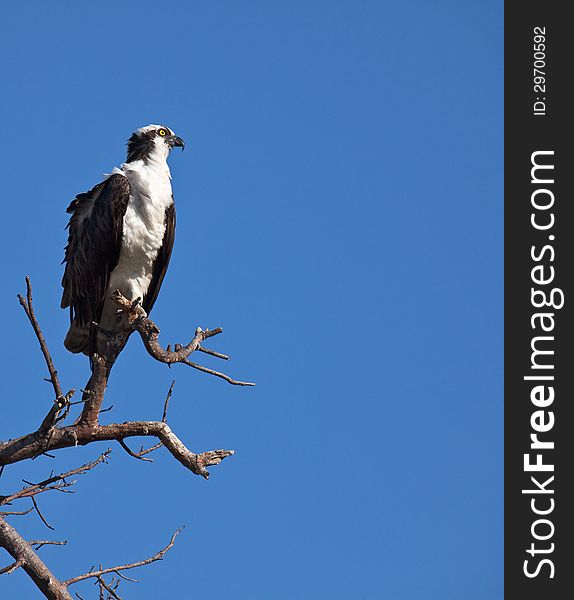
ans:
x=24 y=552
x=8 y=513
x=149 y=333
x=87 y=430
x=52 y=435
x=132 y=317
x=25 y=557
x=29 y=446
x=158 y=556
x=28 y=307
x=61 y=400
x=54 y=482
x=187 y=362
x=10 y=568
x=41 y=543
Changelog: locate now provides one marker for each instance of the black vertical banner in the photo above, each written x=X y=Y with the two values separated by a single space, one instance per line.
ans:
x=539 y=301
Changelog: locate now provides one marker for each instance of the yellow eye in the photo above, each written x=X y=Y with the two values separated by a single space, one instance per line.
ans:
x=162 y=132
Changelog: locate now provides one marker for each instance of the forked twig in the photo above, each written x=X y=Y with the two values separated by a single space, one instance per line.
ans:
x=54 y=482
x=158 y=556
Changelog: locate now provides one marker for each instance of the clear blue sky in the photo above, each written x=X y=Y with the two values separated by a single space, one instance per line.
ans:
x=340 y=215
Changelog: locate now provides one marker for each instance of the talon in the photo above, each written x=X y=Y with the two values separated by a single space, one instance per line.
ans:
x=140 y=318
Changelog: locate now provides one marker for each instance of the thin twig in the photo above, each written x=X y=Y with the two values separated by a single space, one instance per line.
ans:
x=62 y=400
x=40 y=543
x=126 y=577
x=131 y=453
x=35 y=489
x=140 y=563
x=166 y=404
x=28 y=307
x=101 y=587
x=40 y=514
x=16 y=512
x=144 y=451
x=11 y=568
x=109 y=589
x=59 y=480
x=216 y=373
x=213 y=353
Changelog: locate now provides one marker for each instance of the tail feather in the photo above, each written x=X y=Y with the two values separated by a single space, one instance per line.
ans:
x=78 y=338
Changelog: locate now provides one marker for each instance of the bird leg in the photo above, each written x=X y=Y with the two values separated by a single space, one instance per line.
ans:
x=133 y=310
x=138 y=309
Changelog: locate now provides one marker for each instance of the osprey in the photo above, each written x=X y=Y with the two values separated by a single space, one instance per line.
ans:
x=121 y=236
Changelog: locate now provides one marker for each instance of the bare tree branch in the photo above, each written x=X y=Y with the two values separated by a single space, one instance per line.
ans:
x=126 y=577
x=110 y=590
x=149 y=332
x=93 y=396
x=51 y=435
x=158 y=556
x=137 y=455
x=153 y=448
x=11 y=567
x=166 y=404
x=66 y=437
x=16 y=512
x=216 y=373
x=21 y=551
x=29 y=310
x=40 y=543
x=214 y=353
x=62 y=400
x=55 y=415
x=59 y=481
x=37 y=508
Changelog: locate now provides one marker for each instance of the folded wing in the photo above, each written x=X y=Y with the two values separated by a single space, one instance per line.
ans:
x=92 y=253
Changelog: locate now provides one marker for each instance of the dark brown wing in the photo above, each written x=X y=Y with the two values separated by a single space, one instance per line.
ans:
x=162 y=261
x=94 y=242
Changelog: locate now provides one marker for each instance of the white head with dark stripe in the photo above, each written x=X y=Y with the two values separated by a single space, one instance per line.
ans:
x=152 y=142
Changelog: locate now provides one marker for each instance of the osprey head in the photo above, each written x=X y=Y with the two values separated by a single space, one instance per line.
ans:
x=152 y=142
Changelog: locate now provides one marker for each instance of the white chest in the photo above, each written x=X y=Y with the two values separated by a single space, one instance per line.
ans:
x=143 y=228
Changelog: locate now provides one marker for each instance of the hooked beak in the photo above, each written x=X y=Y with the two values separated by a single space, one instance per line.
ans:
x=174 y=141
